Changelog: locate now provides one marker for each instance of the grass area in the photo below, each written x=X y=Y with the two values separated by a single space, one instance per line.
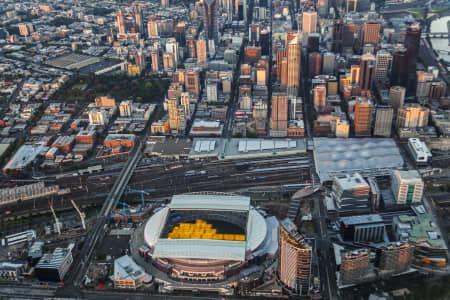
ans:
x=418 y=13
x=142 y=89
x=440 y=8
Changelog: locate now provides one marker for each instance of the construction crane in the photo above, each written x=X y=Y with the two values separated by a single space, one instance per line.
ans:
x=124 y=205
x=142 y=192
x=82 y=215
x=58 y=227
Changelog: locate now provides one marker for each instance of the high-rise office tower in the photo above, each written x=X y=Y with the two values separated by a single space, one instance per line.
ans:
x=397 y=97
x=295 y=255
x=399 y=70
x=367 y=71
x=371 y=32
x=294 y=60
x=152 y=28
x=382 y=65
x=314 y=64
x=351 y=5
x=210 y=9
x=279 y=116
x=191 y=46
x=284 y=72
x=168 y=62
x=120 y=22
x=424 y=80
x=313 y=42
x=328 y=63
x=139 y=19
x=383 y=121
x=281 y=53
x=322 y=7
x=185 y=102
x=355 y=70
x=165 y=3
x=438 y=89
x=201 y=51
x=172 y=107
x=337 y=36
x=412 y=115
x=407 y=186
x=23 y=29
x=349 y=32
x=396 y=257
x=172 y=48
x=320 y=98
x=254 y=31
x=155 y=60
x=354 y=265
x=192 y=82
x=412 y=44
x=309 y=22
x=244 y=10
x=180 y=34
x=264 y=41
x=363 y=116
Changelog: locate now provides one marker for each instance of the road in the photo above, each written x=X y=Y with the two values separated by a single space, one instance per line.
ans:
x=327 y=267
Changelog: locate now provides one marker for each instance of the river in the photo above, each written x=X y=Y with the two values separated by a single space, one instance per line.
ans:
x=440 y=25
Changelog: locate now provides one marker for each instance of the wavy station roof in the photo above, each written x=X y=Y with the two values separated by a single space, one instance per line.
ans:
x=368 y=156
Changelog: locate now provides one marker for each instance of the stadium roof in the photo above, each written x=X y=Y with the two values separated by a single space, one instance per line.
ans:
x=210 y=202
x=200 y=249
x=368 y=156
x=257 y=229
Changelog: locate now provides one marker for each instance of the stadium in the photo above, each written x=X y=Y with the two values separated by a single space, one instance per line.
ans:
x=208 y=237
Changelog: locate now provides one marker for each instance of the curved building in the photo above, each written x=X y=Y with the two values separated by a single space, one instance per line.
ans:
x=294 y=259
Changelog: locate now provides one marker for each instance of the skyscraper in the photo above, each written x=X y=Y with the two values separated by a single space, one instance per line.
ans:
x=367 y=71
x=412 y=44
x=382 y=65
x=320 y=97
x=351 y=5
x=397 y=97
x=155 y=60
x=201 y=50
x=210 y=9
x=354 y=74
x=192 y=82
x=152 y=28
x=309 y=22
x=337 y=36
x=314 y=63
x=293 y=61
x=399 y=70
x=120 y=22
x=139 y=18
x=371 y=32
x=363 y=116
x=322 y=7
x=328 y=63
x=279 y=116
x=383 y=121
x=172 y=48
x=281 y=53
x=295 y=255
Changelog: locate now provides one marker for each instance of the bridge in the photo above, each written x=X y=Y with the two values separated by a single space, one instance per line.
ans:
x=435 y=35
x=98 y=231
